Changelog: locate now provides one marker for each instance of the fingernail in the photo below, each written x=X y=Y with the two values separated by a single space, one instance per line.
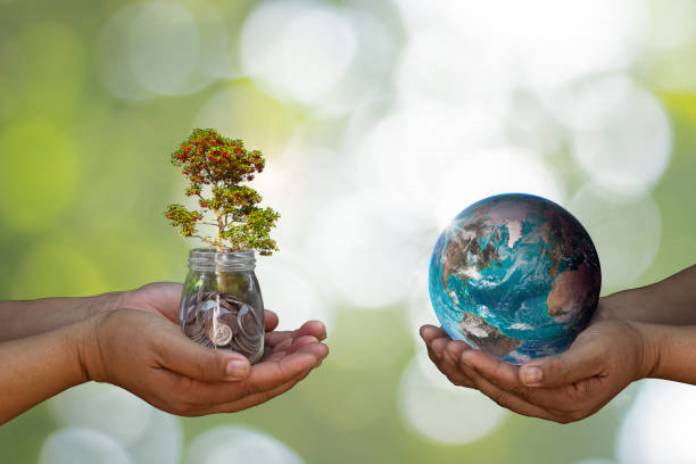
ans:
x=236 y=369
x=531 y=375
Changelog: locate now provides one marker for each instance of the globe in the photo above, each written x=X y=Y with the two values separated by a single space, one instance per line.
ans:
x=516 y=276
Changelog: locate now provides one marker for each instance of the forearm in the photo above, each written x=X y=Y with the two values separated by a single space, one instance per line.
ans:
x=33 y=369
x=670 y=352
x=20 y=319
x=670 y=301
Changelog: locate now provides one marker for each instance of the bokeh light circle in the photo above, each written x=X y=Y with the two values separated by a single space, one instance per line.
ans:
x=161 y=48
x=75 y=445
x=367 y=256
x=443 y=412
x=105 y=408
x=288 y=290
x=161 y=443
x=454 y=159
x=233 y=444
x=620 y=134
x=626 y=231
x=657 y=428
x=298 y=50
x=589 y=37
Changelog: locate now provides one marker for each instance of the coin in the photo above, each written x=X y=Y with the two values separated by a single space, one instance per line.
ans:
x=220 y=335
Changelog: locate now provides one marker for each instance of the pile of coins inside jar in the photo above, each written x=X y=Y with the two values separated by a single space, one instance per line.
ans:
x=218 y=320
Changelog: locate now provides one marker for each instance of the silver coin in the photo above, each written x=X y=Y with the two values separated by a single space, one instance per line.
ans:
x=220 y=334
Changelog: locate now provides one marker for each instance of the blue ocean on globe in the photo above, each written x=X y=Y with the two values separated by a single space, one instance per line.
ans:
x=515 y=275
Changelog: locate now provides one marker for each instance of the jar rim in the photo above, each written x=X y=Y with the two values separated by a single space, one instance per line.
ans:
x=212 y=260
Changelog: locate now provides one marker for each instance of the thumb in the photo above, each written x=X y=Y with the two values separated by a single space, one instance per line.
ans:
x=578 y=363
x=186 y=357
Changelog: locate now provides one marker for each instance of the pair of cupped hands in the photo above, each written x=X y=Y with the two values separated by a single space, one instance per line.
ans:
x=140 y=347
x=605 y=358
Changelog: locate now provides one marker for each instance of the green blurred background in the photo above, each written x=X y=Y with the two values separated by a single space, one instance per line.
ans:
x=380 y=120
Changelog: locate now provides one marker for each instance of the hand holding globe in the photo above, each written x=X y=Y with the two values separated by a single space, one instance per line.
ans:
x=516 y=276
x=515 y=280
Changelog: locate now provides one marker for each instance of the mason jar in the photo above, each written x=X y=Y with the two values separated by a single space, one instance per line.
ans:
x=221 y=303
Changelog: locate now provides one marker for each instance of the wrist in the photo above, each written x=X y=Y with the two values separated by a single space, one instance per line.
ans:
x=105 y=303
x=628 y=305
x=88 y=347
x=652 y=344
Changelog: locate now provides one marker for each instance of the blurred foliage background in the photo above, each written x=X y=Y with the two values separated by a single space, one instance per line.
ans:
x=380 y=121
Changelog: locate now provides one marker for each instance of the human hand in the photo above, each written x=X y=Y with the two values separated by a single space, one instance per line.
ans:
x=149 y=356
x=159 y=297
x=602 y=361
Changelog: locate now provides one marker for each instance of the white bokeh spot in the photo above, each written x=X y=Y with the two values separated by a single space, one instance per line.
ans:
x=298 y=50
x=442 y=412
x=657 y=428
x=234 y=444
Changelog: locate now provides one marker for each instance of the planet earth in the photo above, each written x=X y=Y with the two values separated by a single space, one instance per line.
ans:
x=515 y=275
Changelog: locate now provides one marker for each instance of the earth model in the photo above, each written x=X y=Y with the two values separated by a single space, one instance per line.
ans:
x=515 y=275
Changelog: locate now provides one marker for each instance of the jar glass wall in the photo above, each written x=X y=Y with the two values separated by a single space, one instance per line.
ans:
x=221 y=303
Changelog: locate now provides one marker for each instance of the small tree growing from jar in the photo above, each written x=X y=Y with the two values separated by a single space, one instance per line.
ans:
x=221 y=304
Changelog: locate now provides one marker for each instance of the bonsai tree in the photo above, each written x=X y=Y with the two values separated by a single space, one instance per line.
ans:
x=217 y=169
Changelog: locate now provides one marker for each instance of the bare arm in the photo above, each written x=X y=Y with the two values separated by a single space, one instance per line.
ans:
x=670 y=352
x=670 y=301
x=20 y=319
x=149 y=355
x=36 y=368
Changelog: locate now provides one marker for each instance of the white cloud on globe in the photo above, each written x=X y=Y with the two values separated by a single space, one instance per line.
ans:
x=76 y=445
x=442 y=412
x=297 y=50
x=657 y=428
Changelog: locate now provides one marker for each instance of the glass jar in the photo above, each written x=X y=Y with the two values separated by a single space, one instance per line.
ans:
x=221 y=303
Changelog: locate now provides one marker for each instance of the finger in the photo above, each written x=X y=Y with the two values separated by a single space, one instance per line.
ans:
x=270 y=320
x=450 y=371
x=508 y=400
x=179 y=354
x=430 y=332
x=578 y=363
x=257 y=398
x=444 y=361
x=438 y=346
x=313 y=328
x=454 y=374
x=290 y=346
x=205 y=398
x=495 y=371
x=271 y=373
x=505 y=376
